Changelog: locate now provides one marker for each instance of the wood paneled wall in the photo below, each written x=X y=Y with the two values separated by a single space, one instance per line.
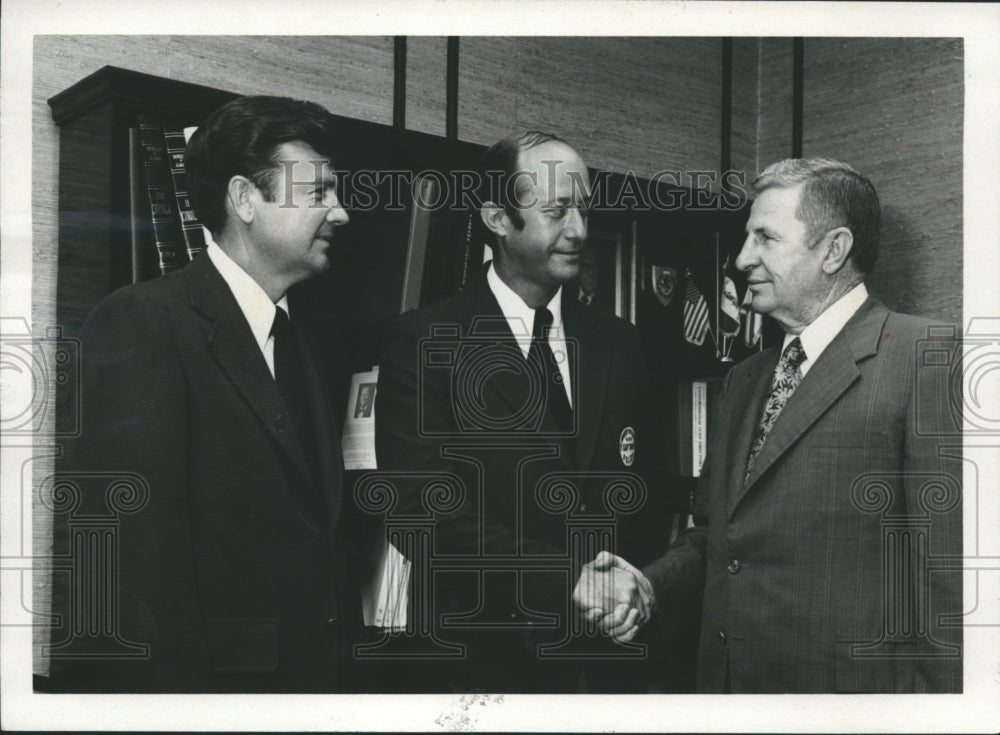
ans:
x=426 y=70
x=893 y=109
x=639 y=104
x=746 y=104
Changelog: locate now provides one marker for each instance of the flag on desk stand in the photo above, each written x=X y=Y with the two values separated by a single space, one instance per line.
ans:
x=695 y=313
x=729 y=305
x=752 y=321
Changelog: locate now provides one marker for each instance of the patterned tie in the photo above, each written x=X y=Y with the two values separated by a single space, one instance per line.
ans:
x=556 y=402
x=787 y=376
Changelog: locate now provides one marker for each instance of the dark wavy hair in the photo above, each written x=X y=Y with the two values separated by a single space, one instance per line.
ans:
x=242 y=138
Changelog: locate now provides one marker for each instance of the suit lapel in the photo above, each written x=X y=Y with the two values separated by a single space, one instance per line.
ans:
x=331 y=461
x=747 y=389
x=487 y=323
x=505 y=388
x=232 y=344
x=590 y=362
x=834 y=372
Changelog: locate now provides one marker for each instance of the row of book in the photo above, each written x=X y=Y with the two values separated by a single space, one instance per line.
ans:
x=162 y=203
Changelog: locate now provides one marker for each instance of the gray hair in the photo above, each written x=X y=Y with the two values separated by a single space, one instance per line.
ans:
x=834 y=195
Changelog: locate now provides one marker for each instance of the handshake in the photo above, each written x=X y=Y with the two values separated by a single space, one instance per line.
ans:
x=615 y=595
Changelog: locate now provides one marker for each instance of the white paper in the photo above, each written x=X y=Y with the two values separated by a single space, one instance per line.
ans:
x=384 y=598
x=699 y=419
x=358 y=441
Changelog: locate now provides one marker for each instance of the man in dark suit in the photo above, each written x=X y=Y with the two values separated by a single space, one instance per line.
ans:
x=829 y=502
x=531 y=408
x=204 y=400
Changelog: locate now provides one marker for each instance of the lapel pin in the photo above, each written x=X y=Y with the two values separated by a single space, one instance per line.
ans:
x=626 y=446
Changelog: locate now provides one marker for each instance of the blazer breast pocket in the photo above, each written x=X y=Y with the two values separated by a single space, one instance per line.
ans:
x=243 y=645
x=828 y=439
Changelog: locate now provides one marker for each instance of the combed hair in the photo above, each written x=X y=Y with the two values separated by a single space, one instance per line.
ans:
x=242 y=138
x=834 y=195
x=502 y=157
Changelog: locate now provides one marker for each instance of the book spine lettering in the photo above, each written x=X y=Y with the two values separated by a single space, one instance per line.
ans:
x=166 y=226
x=194 y=240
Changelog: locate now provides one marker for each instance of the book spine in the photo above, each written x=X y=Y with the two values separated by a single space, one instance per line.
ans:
x=173 y=138
x=684 y=424
x=699 y=425
x=466 y=252
x=136 y=194
x=166 y=226
x=633 y=291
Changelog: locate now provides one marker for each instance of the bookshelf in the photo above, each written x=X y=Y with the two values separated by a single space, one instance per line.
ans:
x=96 y=200
x=94 y=117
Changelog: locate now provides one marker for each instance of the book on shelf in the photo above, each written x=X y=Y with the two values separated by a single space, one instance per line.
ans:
x=176 y=144
x=452 y=254
x=424 y=190
x=696 y=402
x=188 y=132
x=159 y=193
x=140 y=222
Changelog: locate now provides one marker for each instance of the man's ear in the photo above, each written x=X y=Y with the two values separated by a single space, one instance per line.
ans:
x=838 y=251
x=239 y=200
x=495 y=219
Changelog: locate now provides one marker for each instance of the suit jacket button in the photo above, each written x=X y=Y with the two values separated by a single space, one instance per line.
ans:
x=722 y=638
x=281 y=421
x=734 y=566
x=331 y=621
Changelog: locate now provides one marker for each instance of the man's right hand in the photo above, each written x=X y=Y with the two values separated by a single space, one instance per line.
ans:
x=613 y=592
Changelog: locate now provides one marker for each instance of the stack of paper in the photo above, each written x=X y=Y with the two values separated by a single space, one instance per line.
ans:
x=385 y=599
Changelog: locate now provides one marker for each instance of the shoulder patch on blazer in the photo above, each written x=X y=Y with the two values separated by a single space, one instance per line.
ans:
x=626 y=446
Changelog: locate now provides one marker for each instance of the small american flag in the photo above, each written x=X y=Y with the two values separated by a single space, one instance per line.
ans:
x=752 y=321
x=695 y=313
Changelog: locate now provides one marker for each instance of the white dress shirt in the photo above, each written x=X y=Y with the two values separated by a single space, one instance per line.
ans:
x=521 y=319
x=817 y=336
x=257 y=307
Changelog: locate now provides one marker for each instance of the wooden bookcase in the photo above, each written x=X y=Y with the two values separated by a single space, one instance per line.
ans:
x=94 y=117
x=96 y=254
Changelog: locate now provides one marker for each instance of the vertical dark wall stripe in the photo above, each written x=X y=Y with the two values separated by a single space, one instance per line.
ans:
x=727 y=104
x=798 y=55
x=451 y=98
x=399 y=82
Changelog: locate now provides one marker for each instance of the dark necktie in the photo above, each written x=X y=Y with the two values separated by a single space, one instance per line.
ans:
x=290 y=376
x=556 y=403
x=787 y=376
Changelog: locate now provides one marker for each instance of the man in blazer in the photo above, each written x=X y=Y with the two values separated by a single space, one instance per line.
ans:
x=206 y=411
x=535 y=422
x=830 y=500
